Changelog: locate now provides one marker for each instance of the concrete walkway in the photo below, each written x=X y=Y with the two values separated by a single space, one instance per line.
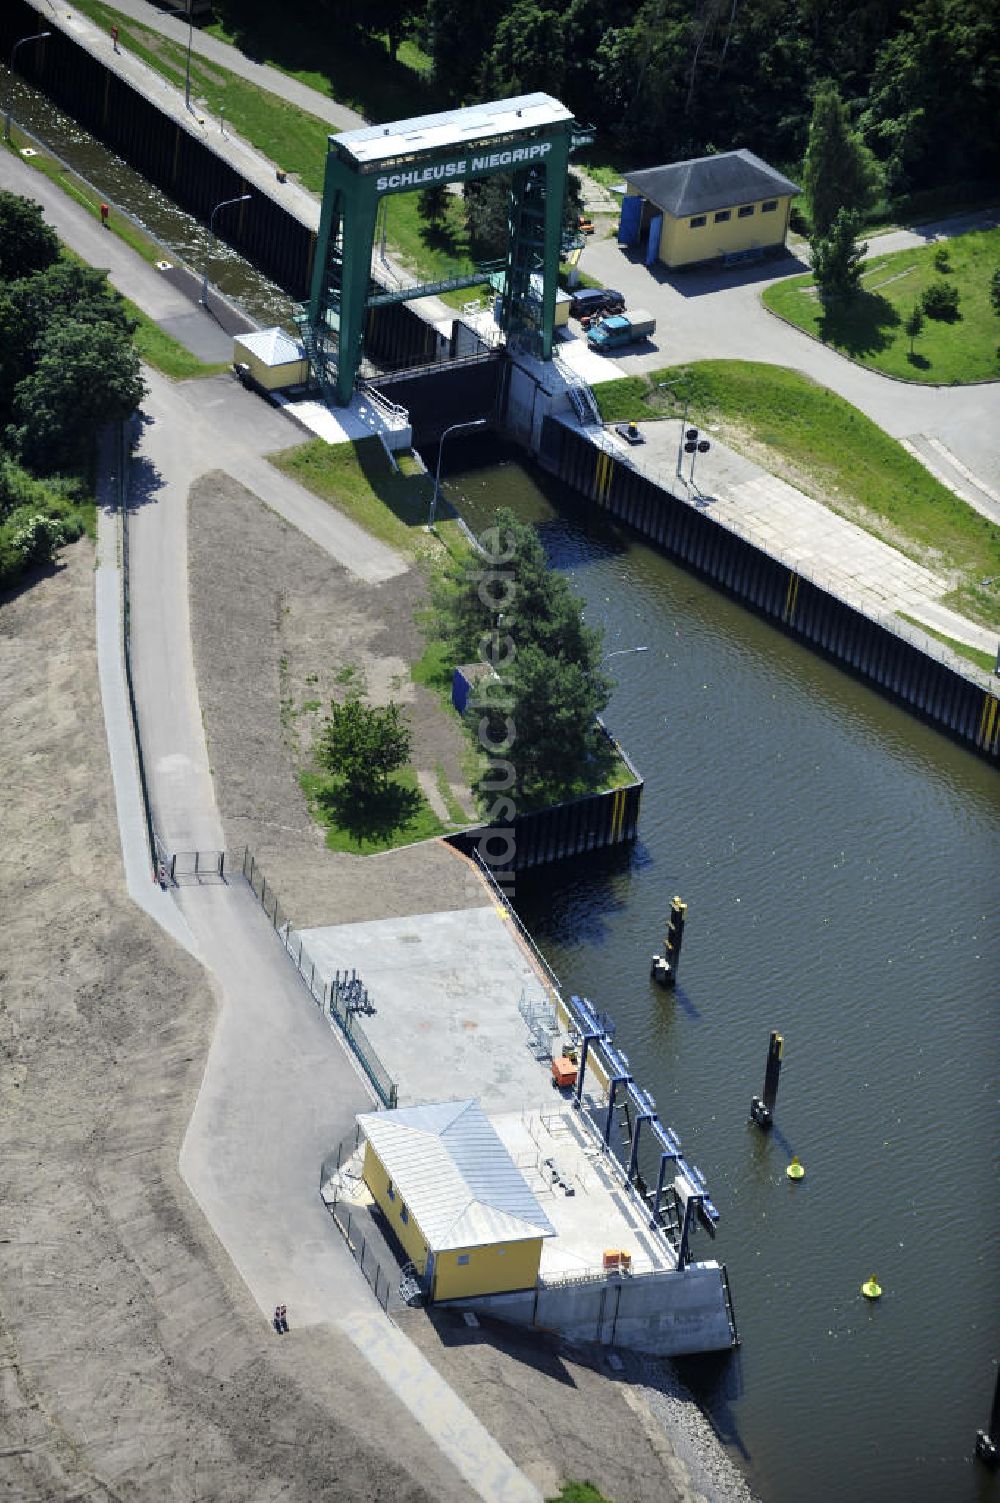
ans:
x=807 y=535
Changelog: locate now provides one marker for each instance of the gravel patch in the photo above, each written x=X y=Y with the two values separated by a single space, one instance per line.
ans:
x=133 y=1364
x=279 y=629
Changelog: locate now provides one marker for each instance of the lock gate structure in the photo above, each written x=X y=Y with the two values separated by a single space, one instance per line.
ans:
x=529 y=138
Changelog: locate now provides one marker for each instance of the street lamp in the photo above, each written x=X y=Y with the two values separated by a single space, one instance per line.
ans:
x=455 y=427
x=187 y=66
x=669 y=386
x=39 y=36
x=225 y=204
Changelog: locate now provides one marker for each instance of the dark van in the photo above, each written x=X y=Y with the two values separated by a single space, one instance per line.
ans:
x=595 y=300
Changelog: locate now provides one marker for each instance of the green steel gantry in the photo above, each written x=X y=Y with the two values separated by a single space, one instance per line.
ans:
x=530 y=138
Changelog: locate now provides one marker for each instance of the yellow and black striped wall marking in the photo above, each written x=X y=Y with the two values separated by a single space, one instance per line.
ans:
x=619 y=806
x=604 y=469
x=792 y=596
x=989 y=723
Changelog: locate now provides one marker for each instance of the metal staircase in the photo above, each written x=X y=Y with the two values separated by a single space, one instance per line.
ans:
x=582 y=401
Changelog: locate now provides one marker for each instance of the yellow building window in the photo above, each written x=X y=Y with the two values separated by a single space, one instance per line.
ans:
x=697 y=221
x=462 y=1259
x=723 y=215
x=746 y=211
x=769 y=207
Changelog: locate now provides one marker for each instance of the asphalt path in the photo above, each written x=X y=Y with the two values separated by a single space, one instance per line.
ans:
x=171 y=306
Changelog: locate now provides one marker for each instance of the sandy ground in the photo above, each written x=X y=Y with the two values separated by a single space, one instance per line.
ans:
x=277 y=626
x=636 y=1434
x=132 y=1363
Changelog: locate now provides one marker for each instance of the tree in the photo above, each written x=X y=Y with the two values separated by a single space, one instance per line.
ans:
x=87 y=375
x=839 y=171
x=934 y=94
x=995 y=291
x=27 y=243
x=914 y=325
x=527 y=53
x=363 y=744
x=433 y=202
x=553 y=706
x=837 y=257
x=940 y=300
x=487 y=211
x=521 y=598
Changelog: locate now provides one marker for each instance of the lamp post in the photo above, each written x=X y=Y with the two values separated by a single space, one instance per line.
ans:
x=455 y=427
x=225 y=204
x=187 y=66
x=39 y=36
x=669 y=386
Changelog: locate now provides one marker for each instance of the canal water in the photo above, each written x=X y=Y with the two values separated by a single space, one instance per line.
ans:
x=842 y=866
x=183 y=237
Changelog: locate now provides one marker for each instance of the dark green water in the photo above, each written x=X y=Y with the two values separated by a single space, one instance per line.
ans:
x=184 y=237
x=842 y=866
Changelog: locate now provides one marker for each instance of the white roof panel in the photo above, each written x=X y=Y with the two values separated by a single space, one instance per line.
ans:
x=455 y=1175
x=479 y=122
x=272 y=346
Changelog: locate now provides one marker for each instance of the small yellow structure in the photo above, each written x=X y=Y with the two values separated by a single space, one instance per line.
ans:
x=454 y=1198
x=275 y=359
x=731 y=206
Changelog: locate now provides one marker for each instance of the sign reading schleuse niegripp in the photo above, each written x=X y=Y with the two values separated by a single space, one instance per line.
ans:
x=420 y=177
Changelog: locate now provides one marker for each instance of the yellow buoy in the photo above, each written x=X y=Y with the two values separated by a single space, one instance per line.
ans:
x=795 y=1170
x=873 y=1289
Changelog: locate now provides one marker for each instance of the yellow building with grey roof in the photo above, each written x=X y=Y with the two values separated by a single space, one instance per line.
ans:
x=728 y=207
x=454 y=1198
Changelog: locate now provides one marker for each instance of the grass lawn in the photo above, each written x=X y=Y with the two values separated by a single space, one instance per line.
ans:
x=401 y=816
x=831 y=450
x=869 y=327
x=578 y=1492
x=359 y=480
x=165 y=354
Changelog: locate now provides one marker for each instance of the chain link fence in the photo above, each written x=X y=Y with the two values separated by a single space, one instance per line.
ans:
x=340 y=998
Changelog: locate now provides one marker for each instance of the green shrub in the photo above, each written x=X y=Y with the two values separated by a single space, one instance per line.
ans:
x=940 y=300
x=941 y=261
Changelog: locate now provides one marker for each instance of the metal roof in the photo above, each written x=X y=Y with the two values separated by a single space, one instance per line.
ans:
x=705 y=183
x=457 y=1179
x=272 y=346
x=477 y=124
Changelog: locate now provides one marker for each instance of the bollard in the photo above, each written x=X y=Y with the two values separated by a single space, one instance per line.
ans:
x=663 y=968
x=988 y=1441
x=762 y=1107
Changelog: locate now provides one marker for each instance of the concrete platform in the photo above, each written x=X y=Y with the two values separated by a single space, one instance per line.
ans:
x=446 y=988
x=557 y=1154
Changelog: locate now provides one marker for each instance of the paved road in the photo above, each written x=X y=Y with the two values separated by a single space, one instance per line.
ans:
x=191 y=325
x=711 y=315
